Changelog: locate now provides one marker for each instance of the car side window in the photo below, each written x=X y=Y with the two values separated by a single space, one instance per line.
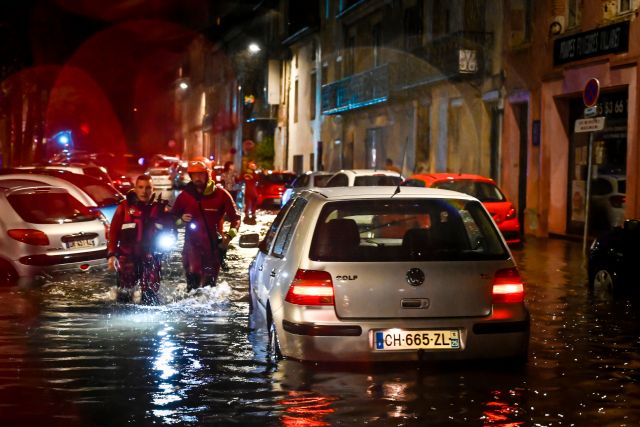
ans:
x=288 y=227
x=271 y=233
x=340 y=180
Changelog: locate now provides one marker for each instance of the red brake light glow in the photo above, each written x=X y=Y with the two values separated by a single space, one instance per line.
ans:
x=29 y=236
x=508 y=287
x=310 y=287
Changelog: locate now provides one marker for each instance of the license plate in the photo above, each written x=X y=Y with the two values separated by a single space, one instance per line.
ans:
x=84 y=243
x=396 y=339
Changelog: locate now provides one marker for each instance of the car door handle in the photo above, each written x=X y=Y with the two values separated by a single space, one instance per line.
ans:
x=273 y=273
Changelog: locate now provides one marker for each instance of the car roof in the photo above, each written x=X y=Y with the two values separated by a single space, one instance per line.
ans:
x=364 y=192
x=368 y=172
x=443 y=176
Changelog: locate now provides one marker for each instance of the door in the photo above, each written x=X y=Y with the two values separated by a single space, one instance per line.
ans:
x=522 y=117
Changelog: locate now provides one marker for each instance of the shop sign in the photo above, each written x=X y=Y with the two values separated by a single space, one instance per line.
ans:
x=601 y=41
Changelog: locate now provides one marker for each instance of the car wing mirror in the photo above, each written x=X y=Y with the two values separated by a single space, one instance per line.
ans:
x=250 y=240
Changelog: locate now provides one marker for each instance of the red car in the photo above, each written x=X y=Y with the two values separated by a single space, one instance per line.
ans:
x=483 y=189
x=271 y=186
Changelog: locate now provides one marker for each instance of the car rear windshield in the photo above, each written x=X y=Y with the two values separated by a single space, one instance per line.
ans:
x=483 y=191
x=405 y=230
x=49 y=208
x=363 y=181
x=101 y=193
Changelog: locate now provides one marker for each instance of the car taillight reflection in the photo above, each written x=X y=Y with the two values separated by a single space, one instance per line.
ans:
x=511 y=213
x=29 y=236
x=507 y=287
x=618 y=201
x=310 y=287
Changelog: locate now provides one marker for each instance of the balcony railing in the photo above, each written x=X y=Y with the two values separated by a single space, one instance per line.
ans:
x=370 y=87
x=454 y=56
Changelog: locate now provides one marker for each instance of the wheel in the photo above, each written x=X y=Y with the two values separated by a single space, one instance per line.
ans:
x=273 y=347
x=603 y=279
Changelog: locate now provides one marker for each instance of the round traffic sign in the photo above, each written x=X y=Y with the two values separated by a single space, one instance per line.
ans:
x=591 y=92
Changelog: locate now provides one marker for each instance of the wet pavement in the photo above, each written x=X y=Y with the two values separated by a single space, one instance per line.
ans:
x=70 y=355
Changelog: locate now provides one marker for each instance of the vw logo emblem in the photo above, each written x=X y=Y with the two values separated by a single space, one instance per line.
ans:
x=415 y=277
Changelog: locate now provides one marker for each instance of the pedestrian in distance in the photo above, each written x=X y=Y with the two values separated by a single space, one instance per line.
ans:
x=136 y=226
x=202 y=207
x=388 y=165
x=230 y=179
x=250 y=179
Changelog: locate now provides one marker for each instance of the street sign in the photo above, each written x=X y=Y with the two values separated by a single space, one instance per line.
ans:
x=591 y=92
x=589 y=125
x=592 y=111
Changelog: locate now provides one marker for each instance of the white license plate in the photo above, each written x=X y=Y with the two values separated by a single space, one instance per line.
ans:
x=433 y=339
x=85 y=243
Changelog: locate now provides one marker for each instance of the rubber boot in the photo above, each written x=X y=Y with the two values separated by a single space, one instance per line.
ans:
x=193 y=281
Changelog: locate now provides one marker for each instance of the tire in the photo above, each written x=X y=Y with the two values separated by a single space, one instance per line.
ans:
x=603 y=279
x=273 y=346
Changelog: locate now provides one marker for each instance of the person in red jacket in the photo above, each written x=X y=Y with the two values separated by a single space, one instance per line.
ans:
x=201 y=207
x=131 y=252
x=250 y=179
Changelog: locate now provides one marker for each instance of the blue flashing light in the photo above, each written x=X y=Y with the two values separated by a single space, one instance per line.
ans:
x=63 y=138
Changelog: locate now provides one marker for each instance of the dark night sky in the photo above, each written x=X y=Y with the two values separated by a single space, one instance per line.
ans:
x=114 y=63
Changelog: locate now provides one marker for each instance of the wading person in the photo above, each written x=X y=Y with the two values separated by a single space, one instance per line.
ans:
x=131 y=246
x=250 y=179
x=201 y=207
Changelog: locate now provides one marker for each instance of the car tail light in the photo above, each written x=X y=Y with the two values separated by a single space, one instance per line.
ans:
x=508 y=286
x=617 y=201
x=310 y=287
x=511 y=213
x=29 y=236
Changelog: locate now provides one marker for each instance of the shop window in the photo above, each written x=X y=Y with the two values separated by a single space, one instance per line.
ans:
x=574 y=11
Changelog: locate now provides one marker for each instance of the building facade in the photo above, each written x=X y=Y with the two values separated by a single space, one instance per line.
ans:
x=551 y=51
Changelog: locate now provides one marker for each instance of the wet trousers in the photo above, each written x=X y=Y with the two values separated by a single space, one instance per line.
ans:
x=143 y=271
x=201 y=266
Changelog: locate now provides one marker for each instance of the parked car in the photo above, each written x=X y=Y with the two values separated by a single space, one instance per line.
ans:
x=180 y=175
x=364 y=177
x=304 y=182
x=94 y=193
x=119 y=169
x=162 y=178
x=332 y=282
x=271 y=186
x=46 y=231
x=95 y=171
x=608 y=201
x=484 y=189
x=613 y=257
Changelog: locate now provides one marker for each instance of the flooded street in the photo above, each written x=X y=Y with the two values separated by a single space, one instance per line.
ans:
x=70 y=355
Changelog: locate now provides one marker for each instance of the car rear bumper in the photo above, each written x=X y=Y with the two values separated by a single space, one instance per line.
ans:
x=510 y=229
x=44 y=264
x=487 y=338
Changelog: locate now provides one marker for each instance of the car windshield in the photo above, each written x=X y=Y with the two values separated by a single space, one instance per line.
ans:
x=405 y=230
x=483 y=191
x=386 y=180
x=49 y=208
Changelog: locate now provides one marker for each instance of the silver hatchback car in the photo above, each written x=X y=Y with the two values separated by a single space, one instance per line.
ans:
x=370 y=274
x=46 y=231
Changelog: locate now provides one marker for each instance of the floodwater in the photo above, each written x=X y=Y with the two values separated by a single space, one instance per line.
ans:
x=70 y=355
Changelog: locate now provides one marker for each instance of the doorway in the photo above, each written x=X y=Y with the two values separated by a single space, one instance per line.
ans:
x=521 y=112
x=374 y=149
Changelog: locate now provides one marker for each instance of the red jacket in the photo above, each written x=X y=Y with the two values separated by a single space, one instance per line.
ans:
x=208 y=211
x=250 y=179
x=133 y=227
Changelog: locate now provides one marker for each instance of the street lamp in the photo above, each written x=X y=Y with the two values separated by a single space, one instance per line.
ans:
x=254 y=48
x=184 y=85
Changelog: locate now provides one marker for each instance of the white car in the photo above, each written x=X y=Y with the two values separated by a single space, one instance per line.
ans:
x=370 y=274
x=364 y=177
x=47 y=231
x=608 y=200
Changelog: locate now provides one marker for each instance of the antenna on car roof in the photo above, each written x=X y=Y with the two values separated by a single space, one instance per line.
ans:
x=404 y=158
